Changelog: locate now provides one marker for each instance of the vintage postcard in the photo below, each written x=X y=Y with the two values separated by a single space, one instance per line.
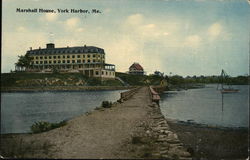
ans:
x=125 y=79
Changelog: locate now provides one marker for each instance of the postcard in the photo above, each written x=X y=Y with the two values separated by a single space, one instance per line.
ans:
x=126 y=79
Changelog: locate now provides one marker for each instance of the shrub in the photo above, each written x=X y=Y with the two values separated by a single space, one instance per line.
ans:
x=42 y=126
x=106 y=104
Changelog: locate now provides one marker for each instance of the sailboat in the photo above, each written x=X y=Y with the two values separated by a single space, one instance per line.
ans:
x=226 y=88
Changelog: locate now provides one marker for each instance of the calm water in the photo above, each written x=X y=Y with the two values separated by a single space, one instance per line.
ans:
x=20 y=110
x=205 y=106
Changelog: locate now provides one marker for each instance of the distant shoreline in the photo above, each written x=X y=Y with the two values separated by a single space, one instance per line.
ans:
x=63 y=88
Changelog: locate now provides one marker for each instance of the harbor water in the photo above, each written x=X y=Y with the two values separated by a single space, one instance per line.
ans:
x=208 y=106
x=19 y=110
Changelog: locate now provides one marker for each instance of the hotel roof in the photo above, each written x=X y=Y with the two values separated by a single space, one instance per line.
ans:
x=66 y=50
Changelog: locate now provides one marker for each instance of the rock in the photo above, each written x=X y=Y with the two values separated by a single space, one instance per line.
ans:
x=162 y=131
x=161 y=140
x=162 y=136
x=158 y=117
x=164 y=152
x=172 y=136
x=159 y=128
x=167 y=132
x=176 y=145
x=164 y=148
x=173 y=141
x=156 y=154
x=148 y=132
x=166 y=156
x=165 y=144
x=162 y=122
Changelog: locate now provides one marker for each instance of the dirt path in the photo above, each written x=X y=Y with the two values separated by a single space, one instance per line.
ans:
x=99 y=134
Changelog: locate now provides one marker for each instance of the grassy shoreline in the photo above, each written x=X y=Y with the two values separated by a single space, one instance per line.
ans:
x=63 y=88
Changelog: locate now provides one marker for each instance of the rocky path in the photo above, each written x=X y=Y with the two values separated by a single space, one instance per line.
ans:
x=132 y=129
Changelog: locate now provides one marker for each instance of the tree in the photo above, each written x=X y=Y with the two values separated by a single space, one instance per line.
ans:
x=24 y=61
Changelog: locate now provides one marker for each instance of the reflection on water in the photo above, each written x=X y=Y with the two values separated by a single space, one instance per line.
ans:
x=208 y=106
x=20 y=110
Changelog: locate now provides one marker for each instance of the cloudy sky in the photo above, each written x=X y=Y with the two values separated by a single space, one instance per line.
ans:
x=185 y=37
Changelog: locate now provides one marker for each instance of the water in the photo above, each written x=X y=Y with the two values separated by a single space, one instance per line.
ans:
x=204 y=106
x=21 y=109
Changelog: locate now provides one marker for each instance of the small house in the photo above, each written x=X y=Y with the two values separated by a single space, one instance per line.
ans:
x=136 y=69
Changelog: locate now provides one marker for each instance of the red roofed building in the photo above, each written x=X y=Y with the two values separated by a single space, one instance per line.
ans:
x=136 y=68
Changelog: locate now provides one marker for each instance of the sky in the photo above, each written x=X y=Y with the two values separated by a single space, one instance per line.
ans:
x=181 y=37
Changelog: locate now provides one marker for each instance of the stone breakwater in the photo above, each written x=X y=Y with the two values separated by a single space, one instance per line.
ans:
x=156 y=134
x=167 y=142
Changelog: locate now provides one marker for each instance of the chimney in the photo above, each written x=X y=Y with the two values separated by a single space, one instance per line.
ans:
x=50 y=45
x=31 y=48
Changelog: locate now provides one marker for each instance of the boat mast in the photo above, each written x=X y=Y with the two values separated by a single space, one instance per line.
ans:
x=222 y=76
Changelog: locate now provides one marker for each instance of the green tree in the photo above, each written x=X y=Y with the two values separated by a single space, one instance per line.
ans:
x=23 y=61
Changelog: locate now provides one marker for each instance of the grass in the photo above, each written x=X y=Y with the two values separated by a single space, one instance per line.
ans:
x=14 y=147
x=139 y=80
x=25 y=79
x=41 y=126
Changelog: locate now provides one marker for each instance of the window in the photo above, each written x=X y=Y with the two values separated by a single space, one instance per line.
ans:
x=83 y=61
x=36 y=62
x=49 y=62
x=73 y=56
x=78 y=56
x=63 y=56
x=59 y=61
x=68 y=56
x=45 y=62
x=80 y=66
x=73 y=61
x=58 y=57
x=102 y=73
x=54 y=57
x=88 y=56
x=96 y=73
x=68 y=61
x=41 y=57
x=88 y=61
x=94 y=60
x=36 y=57
x=106 y=73
x=50 y=57
x=78 y=61
x=63 y=61
x=94 y=55
x=41 y=62
x=54 y=61
x=45 y=57
x=83 y=56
